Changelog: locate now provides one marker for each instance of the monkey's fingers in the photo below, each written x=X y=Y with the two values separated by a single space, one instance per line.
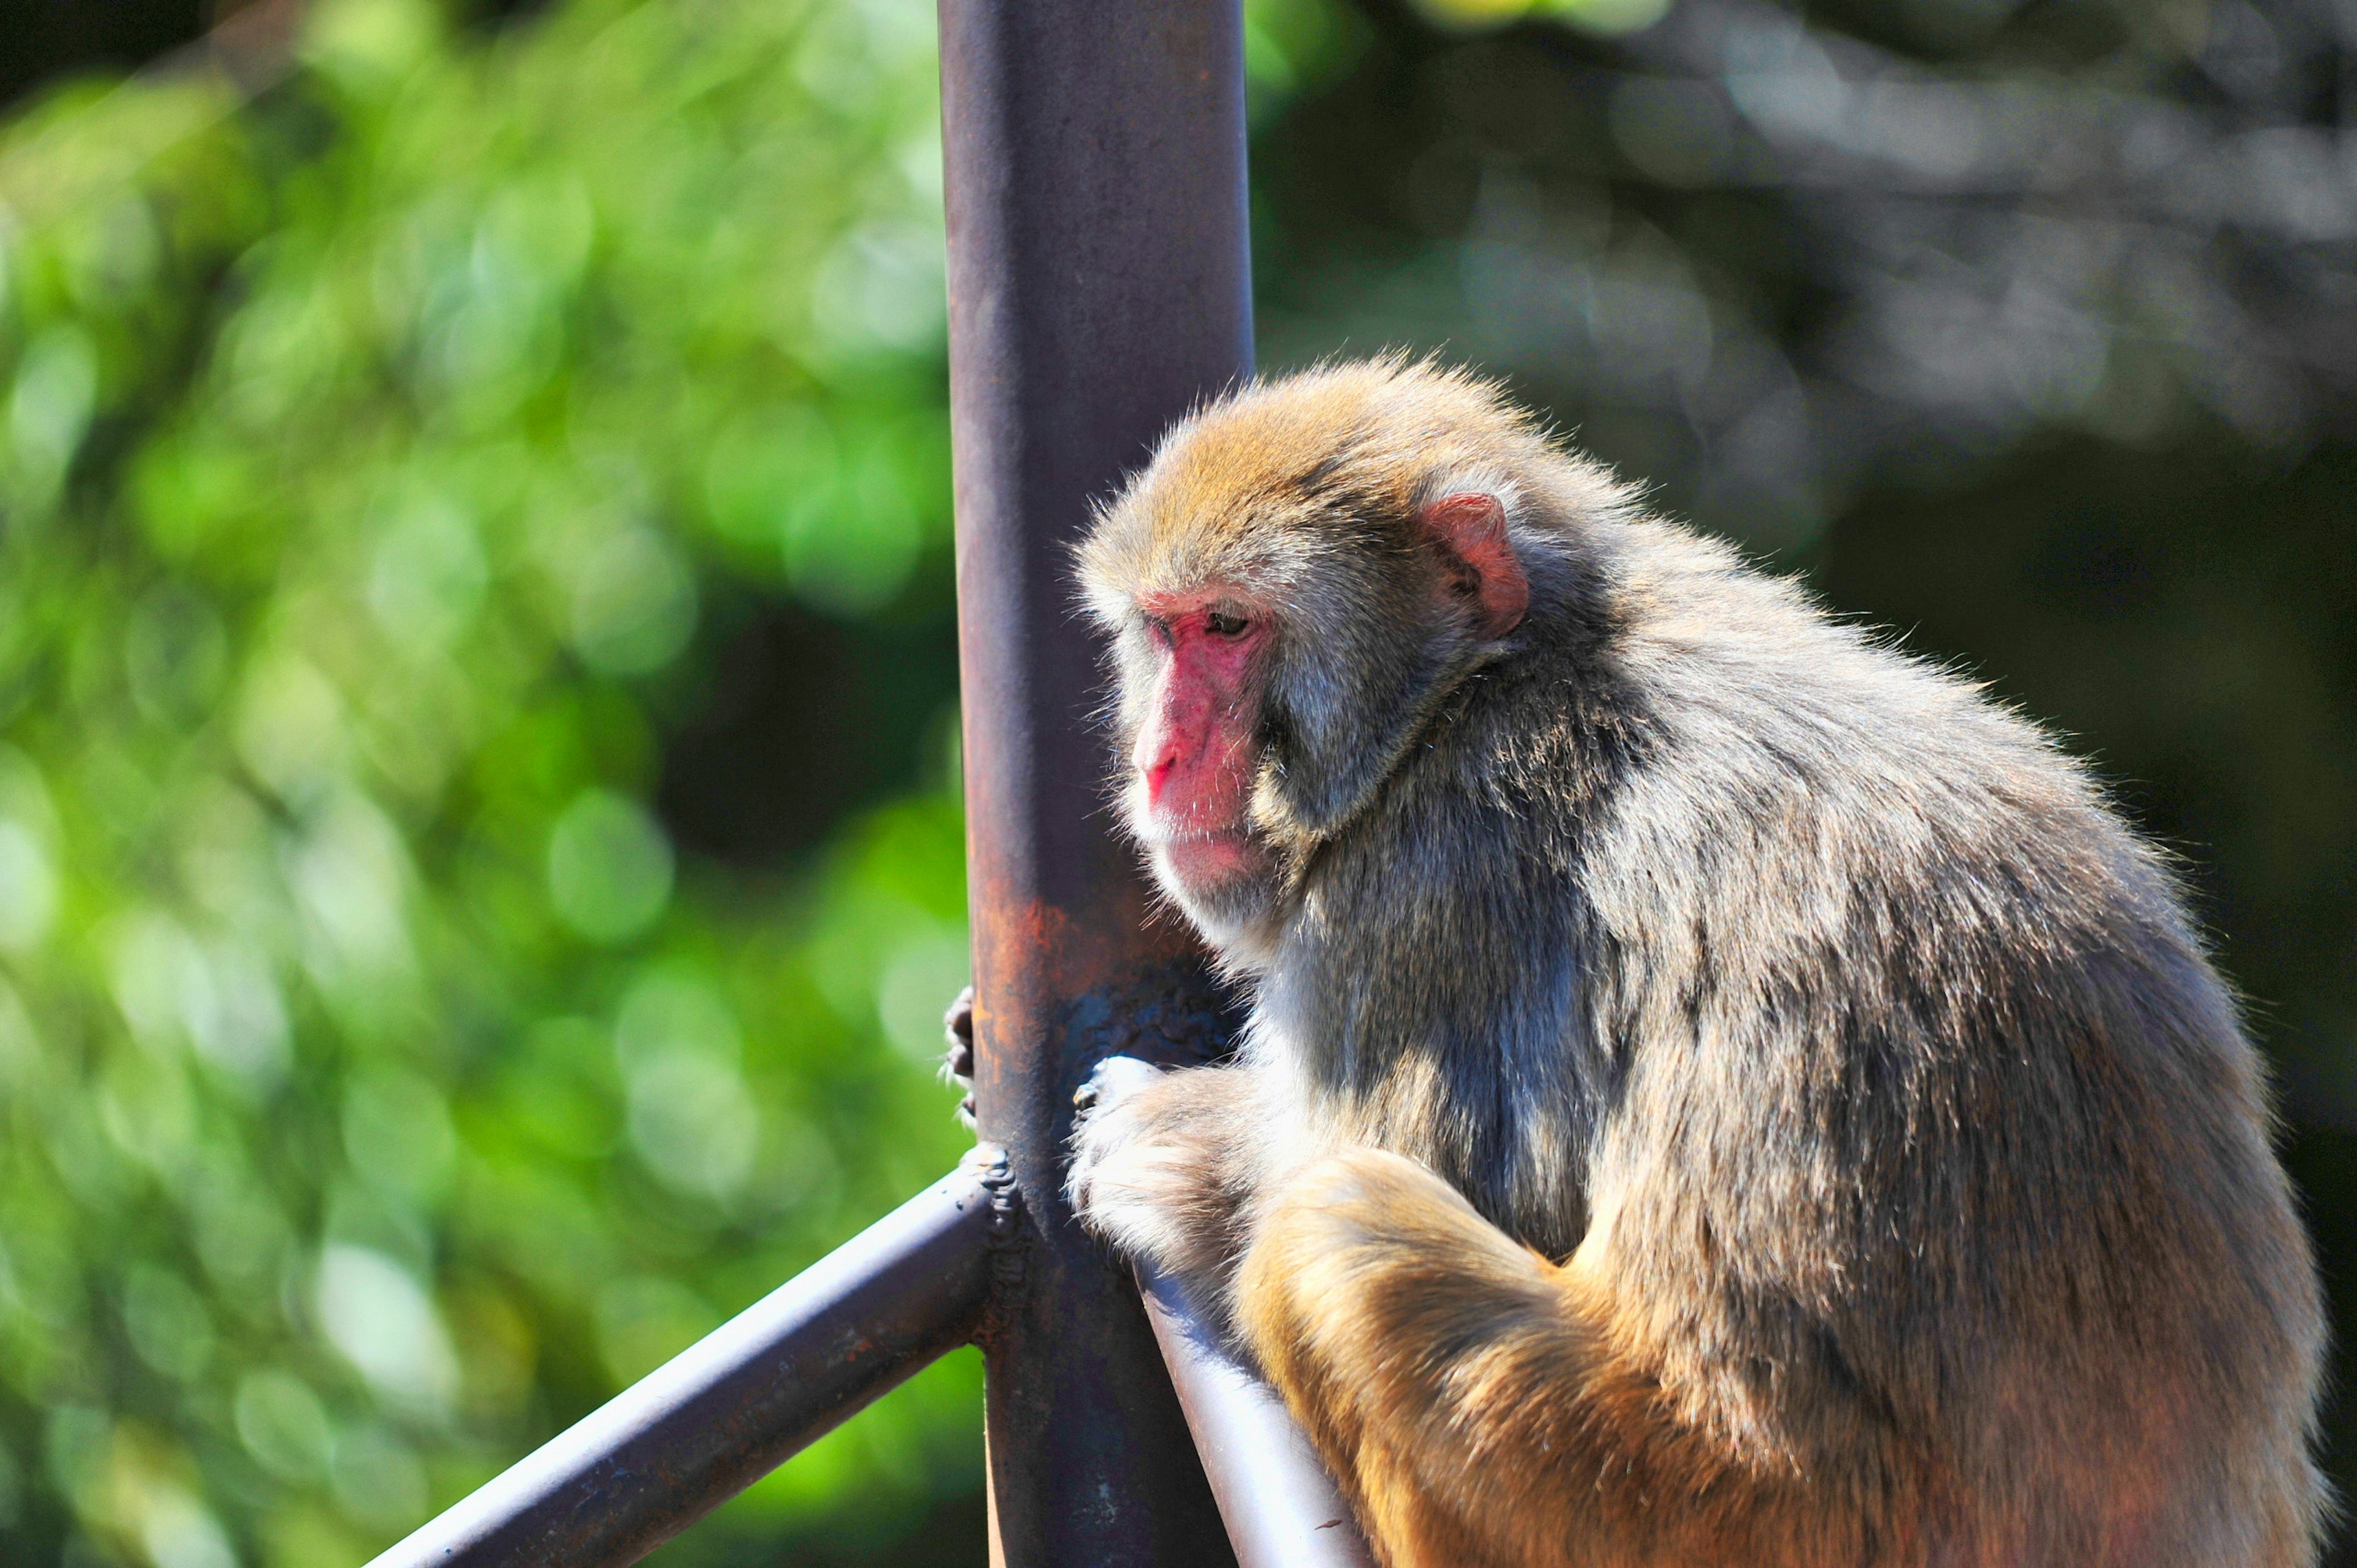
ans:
x=957 y=1064
x=1110 y=1082
x=1127 y=1158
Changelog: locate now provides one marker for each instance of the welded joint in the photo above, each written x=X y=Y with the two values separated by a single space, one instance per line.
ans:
x=1005 y=1237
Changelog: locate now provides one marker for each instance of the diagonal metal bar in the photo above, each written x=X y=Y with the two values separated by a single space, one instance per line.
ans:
x=739 y=1401
x=1281 y=1507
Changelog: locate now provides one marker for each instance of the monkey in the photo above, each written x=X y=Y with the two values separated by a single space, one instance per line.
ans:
x=1716 y=1089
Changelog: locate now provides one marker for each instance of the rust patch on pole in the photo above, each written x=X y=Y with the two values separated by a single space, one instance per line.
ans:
x=1099 y=287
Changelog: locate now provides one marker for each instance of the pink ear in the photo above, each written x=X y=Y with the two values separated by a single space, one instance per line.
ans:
x=1473 y=526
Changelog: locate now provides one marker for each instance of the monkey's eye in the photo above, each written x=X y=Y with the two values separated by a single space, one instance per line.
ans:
x=1220 y=625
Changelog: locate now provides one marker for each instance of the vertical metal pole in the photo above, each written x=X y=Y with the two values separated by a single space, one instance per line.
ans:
x=1099 y=285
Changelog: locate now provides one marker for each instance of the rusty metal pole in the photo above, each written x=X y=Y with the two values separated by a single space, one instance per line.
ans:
x=1099 y=284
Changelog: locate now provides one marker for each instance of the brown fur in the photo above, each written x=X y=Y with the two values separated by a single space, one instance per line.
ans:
x=1718 y=1092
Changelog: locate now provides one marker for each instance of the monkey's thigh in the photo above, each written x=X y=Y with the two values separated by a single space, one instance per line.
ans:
x=1466 y=1391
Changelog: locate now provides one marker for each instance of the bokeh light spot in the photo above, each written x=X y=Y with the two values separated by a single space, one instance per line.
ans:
x=283 y=1424
x=28 y=887
x=375 y=1313
x=633 y=604
x=168 y=1322
x=609 y=866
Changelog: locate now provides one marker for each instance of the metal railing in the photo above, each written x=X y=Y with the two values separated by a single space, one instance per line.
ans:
x=789 y=1369
x=1099 y=287
x=736 y=1404
x=1280 y=1507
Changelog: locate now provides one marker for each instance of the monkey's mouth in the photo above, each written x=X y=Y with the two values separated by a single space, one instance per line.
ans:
x=1211 y=858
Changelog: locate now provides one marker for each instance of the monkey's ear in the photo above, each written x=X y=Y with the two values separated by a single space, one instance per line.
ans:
x=1471 y=527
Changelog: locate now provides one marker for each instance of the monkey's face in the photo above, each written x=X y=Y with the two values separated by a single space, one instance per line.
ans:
x=1193 y=676
x=1294 y=585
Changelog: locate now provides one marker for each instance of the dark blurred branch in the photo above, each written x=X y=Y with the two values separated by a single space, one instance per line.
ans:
x=254 y=45
x=1808 y=260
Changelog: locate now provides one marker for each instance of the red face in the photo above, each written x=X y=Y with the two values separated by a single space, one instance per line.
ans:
x=1196 y=757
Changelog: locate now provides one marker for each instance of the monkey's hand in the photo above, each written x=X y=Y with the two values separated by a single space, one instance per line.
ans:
x=1164 y=1167
x=957 y=1065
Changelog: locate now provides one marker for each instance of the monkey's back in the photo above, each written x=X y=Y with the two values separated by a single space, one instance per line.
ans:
x=1928 y=1095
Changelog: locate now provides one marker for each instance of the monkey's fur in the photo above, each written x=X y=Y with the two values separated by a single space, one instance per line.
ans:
x=1718 y=1090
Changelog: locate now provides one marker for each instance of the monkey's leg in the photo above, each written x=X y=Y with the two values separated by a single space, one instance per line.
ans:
x=1475 y=1398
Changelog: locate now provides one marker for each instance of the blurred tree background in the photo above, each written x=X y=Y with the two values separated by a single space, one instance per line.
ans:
x=480 y=851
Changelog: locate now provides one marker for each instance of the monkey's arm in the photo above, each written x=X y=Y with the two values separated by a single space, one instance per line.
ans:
x=1482 y=1405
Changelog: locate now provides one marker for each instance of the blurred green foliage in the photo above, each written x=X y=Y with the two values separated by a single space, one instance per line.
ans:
x=384 y=459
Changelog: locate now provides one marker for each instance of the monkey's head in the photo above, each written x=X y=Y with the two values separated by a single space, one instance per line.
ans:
x=1300 y=576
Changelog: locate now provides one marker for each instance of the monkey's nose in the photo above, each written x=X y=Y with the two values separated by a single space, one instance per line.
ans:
x=1156 y=759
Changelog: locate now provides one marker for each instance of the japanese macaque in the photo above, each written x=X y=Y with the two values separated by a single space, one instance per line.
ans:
x=1718 y=1090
